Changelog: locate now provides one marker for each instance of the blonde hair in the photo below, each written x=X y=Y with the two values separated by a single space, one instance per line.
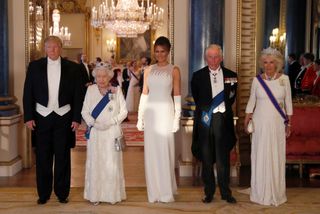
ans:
x=53 y=39
x=276 y=56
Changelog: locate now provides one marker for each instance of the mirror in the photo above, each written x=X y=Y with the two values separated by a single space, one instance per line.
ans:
x=36 y=24
x=39 y=20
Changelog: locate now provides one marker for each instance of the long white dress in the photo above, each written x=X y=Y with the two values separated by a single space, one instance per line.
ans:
x=268 y=148
x=104 y=178
x=158 y=136
x=133 y=95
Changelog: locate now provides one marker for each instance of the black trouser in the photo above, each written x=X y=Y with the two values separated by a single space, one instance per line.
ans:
x=125 y=86
x=214 y=149
x=53 y=146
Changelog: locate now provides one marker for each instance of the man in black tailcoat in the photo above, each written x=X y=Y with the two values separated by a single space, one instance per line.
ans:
x=86 y=72
x=52 y=103
x=213 y=142
x=293 y=71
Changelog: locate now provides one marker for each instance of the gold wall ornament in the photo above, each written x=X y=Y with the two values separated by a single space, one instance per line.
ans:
x=97 y=33
x=70 y=6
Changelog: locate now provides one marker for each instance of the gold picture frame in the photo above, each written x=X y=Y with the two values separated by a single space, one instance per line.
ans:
x=134 y=48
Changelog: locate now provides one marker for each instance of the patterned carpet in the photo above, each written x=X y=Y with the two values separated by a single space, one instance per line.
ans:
x=132 y=136
x=23 y=200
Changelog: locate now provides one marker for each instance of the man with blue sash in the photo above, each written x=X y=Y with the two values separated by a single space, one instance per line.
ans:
x=214 y=91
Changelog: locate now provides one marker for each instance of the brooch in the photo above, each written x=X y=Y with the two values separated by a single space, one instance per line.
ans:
x=206 y=118
x=281 y=81
x=110 y=96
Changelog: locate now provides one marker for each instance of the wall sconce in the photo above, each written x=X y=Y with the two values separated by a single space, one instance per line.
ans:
x=97 y=33
x=111 y=45
x=278 y=41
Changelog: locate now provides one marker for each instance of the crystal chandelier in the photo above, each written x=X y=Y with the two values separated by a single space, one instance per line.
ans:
x=63 y=32
x=278 y=41
x=127 y=18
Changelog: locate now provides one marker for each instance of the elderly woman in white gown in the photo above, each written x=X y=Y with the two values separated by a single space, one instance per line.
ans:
x=268 y=148
x=104 y=179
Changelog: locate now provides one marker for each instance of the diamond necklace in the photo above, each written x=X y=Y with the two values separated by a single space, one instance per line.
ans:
x=270 y=78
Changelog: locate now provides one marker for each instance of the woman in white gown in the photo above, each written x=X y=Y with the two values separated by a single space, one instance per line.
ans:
x=133 y=94
x=268 y=148
x=159 y=116
x=104 y=179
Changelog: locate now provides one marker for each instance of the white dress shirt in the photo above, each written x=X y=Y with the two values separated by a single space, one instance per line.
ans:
x=54 y=74
x=301 y=70
x=217 y=85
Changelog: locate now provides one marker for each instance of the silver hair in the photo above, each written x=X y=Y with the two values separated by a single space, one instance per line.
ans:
x=103 y=68
x=213 y=46
x=275 y=54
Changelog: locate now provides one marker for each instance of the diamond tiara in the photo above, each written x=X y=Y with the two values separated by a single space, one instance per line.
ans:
x=271 y=51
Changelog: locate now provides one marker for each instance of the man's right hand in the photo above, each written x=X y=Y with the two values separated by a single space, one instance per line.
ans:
x=31 y=124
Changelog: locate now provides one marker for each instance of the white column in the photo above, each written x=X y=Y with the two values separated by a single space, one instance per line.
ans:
x=10 y=161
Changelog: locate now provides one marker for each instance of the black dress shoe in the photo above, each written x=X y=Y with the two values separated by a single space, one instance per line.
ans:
x=207 y=199
x=41 y=201
x=63 y=200
x=230 y=199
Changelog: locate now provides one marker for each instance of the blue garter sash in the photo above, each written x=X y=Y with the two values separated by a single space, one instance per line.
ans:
x=273 y=99
x=206 y=116
x=96 y=111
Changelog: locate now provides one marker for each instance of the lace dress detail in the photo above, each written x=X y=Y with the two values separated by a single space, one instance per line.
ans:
x=158 y=138
x=104 y=178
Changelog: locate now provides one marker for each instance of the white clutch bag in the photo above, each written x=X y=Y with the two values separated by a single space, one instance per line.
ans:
x=250 y=127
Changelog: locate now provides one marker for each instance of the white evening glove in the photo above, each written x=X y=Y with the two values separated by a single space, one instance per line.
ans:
x=104 y=126
x=177 y=113
x=142 y=105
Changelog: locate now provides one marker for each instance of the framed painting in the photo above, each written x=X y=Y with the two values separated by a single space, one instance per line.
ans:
x=134 y=48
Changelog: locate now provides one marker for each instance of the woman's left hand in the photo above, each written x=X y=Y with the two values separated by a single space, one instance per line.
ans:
x=288 y=130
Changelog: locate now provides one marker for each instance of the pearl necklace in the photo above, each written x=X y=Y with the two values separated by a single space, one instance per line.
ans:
x=270 y=78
